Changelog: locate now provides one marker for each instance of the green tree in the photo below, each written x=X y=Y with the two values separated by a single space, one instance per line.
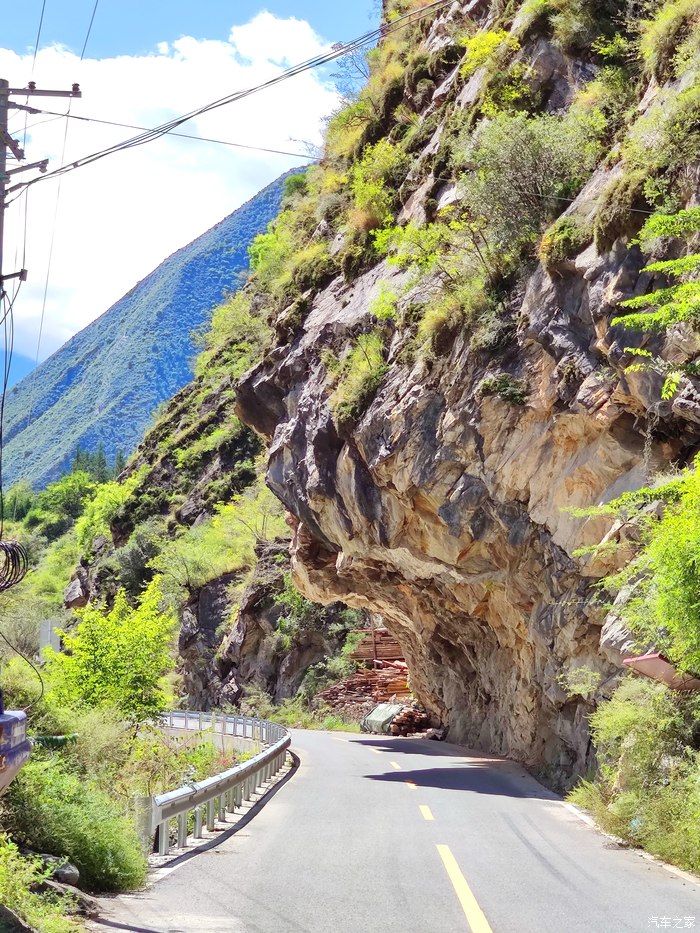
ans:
x=101 y=471
x=19 y=501
x=116 y=658
x=678 y=302
x=119 y=463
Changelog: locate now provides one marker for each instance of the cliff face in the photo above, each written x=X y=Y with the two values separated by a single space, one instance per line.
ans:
x=442 y=506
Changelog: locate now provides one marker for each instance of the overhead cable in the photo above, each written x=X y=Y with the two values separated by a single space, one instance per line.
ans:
x=337 y=51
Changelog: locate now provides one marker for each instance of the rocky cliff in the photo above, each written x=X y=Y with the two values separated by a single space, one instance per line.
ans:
x=441 y=502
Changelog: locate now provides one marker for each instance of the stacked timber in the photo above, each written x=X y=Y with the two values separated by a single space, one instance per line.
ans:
x=411 y=719
x=384 y=683
x=378 y=644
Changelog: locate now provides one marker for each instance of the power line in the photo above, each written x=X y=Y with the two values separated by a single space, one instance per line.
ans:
x=89 y=30
x=38 y=34
x=134 y=126
x=338 y=51
x=53 y=235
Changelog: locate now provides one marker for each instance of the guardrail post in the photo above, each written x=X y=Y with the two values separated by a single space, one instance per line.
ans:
x=201 y=723
x=222 y=808
x=210 y=815
x=143 y=811
x=163 y=838
x=182 y=830
x=197 y=822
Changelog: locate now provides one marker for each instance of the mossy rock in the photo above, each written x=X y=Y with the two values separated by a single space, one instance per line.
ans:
x=564 y=240
x=615 y=216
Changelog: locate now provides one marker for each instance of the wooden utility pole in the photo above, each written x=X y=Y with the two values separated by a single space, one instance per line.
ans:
x=8 y=143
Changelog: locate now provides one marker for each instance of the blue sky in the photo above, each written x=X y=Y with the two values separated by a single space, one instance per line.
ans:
x=131 y=27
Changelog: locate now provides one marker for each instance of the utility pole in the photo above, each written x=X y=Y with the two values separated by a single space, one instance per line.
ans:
x=8 y=143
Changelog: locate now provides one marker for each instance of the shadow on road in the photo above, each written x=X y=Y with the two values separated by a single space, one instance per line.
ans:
x=419 y=746
x=480 y=778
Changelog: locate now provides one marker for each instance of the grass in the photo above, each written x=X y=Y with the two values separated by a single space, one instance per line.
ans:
x=295 y=713
x=646 y=788
x=19 y=878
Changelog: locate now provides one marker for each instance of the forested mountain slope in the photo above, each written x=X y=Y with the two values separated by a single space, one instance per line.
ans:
x=105 y=383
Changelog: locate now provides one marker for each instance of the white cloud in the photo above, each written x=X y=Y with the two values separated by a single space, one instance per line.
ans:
x=121 y=216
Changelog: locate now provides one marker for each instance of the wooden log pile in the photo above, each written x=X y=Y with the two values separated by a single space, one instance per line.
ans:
x=411 y=719
x=379 y=644
x=386 y=682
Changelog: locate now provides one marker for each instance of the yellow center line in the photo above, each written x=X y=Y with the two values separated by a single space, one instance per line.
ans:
x=395 y=765
x=426 y=811
x=410 y=785
x=474 y=914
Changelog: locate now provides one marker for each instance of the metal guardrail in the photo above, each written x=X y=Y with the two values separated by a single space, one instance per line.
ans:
x=212 y=797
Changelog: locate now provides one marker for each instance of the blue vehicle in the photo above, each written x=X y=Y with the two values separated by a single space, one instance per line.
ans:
x=15 y=747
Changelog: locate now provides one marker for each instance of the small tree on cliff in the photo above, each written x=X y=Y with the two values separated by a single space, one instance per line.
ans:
x=116 y=658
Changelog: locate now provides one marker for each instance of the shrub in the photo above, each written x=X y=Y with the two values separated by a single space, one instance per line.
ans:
x=506 y=387
x=105 y=506
x=373 y=183
x=664 y=143
x=485 y=47
x=52 y=811
x=237 y=333
x=295 y=185
x=665 y=37
x=614 y=215
x=55 y=508
x=525 y=169
x=361 y=374
x=563 y=240
x=664 y=307
x=19 y=877
x=383 y=306
x=283 y=260
x=446 y=314
x=295 y=713
x=222 y=544
x=665 y=610
x=575 y=25
x=579 y=681
x=116 y=658
x=646 y=787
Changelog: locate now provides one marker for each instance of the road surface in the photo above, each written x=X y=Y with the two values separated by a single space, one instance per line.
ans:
x=389 y=835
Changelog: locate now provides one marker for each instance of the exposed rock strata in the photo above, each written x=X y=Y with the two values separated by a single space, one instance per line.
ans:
x=445 y=512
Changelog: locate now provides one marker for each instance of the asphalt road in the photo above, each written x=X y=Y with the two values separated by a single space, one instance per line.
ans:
x=387 y=835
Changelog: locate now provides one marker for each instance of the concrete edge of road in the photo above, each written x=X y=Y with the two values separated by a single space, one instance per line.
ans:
x=621 y=843
x=162 y=870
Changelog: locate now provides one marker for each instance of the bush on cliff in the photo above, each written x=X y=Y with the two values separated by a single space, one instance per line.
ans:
x=647 y=790
x=116 y=658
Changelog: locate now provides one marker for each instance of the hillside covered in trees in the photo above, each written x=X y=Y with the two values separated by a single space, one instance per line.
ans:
x=104 y=385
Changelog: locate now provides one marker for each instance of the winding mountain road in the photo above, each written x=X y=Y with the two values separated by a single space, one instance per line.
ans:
x=389 y=835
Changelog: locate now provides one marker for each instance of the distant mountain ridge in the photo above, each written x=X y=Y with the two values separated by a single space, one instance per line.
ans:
x=104 y=384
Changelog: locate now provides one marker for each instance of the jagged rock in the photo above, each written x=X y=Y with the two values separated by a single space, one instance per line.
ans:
x=76 y=594
x=10 y=922
x=447 y=513
x=250 y=653
x=199 y=639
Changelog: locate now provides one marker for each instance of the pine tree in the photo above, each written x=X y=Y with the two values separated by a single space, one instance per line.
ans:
x=119 y=463
x=100 y=470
